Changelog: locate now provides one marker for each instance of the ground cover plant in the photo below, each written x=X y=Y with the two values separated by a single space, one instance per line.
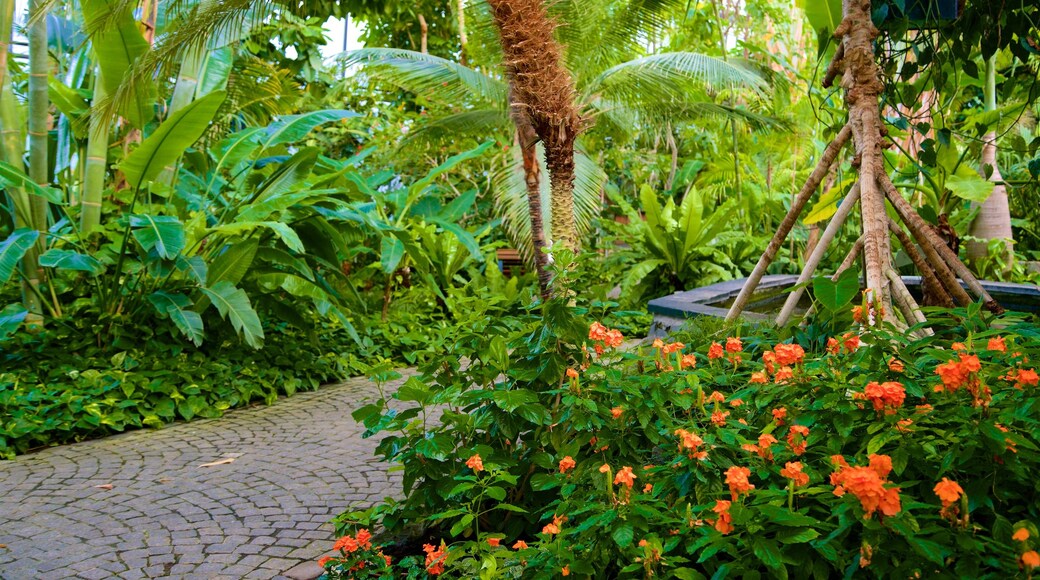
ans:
x=737 y=455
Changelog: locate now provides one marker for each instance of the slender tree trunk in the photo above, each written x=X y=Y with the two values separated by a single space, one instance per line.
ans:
x=994 y=219
x=460 y=6
x=12 y=139
x=97 y=160
x=39 y=127
x=545 y=89
x=528 y=141
x=423 y=30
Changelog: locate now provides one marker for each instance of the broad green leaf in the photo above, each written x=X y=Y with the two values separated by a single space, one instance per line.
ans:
x=216 y=69
x=71 y=102
x=170 y=140
x=690 y=212
x=195 y=266
x=391 y=250
x=11 y=176
x=233 y=150
x=623 y=535
x=971 y=187
x=417 y=188
x=784 y=517
x=177 y=307
x=11 y=318
x=824 y=15
x=233 y=305
x=291 y=128
x=464 y=237
x=768 y=552
x=283 y=231
x=290 y=175
x=263 y=210
x=825 y=207
x=232 y=263
x=118 y=44
x=164 y=234
x=71 y=260
x=13 y=249
x=836 y=295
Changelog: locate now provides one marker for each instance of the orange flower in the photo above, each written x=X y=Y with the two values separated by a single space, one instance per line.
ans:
x=769 y=359
x=657 y=344
x=887 y=396
x=364 y=538
x=566 y=571
x=716 y=397
x=1021 y=535
x=868 y=485
x=789 y=354
x=779 y=414
x=758 y=378
x=323 y=560
x=616 y=412
x=597 y=331
x=648 y=488
x=737 y=479
x=435 y=558
x=1031 y=559
x=567 y=463
x=783 y=375
x=851 y=342
x=625 y=476
x=958 y=346
x=765 y=443
x=572 y=374
x=688 y=361
x=674 y=347
x=857 y=314
x=520 y=545
x=604 y=468
x=554 y=527
x=719 y=418
x=475 y=463
x=895 y=365
x=797 y=437
x=346 y=544
x=688 y=441
x=833 y=346
x=1026 y=377
x=733 y=345
x=793 y=470
x=948 y=492
x=736 y=403
x=725 y=522
x=494 y=542
x=715 y=351
x=996 y=343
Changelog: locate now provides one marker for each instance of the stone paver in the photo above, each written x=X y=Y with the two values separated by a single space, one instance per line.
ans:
x=297 y=464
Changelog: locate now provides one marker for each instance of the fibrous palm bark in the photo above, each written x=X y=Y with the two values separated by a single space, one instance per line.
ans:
x=544 y=90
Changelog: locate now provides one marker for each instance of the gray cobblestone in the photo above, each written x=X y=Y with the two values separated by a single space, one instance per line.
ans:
x=257 y=517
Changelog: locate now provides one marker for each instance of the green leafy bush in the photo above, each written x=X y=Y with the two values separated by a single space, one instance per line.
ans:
x=733 y=456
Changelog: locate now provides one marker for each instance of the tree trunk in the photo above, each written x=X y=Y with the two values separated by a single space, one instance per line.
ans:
x=528 y=140
x=460 y=6
x=994 y=219
x=39 y=127
x=97 y=160
x=423 y=31
x=545 y=90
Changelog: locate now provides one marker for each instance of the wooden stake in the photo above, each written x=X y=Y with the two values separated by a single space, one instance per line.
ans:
x=813 y=261
x=906 y=303
x=930 y=284
x=824 y=165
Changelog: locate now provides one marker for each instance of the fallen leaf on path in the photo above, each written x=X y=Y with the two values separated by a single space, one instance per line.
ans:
x=104 y=486
x=224 y=461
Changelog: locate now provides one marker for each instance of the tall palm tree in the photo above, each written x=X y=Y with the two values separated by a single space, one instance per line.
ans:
x=617 y=88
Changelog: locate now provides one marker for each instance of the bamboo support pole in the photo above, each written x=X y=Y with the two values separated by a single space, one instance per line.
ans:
x=929 y=281
x=817 y=175
x=906 y=303
x=813 y=261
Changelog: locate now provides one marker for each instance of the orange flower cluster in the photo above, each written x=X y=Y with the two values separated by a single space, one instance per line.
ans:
x=733 y=345
x=1030 y=559
x=567 y=464
x=688 y=361
x=763 y=449
x=616 y=412
x=715 y=351
x=955 y=374
x=758 y=378
x=625 y=476
x=867 y=484
x=849 y=341
x=1023 y=378
x=435 y=558
x=572 y=374
x=797 y=438
x=520 y=545
x=949 y=493
x=779 y=414
x=725 y=522
x=494 y=542
x=605 y=337
x=997 y=343
x=737 y=480
x=895 y=365
x=475 y=463
x=783 y=375
x=690 y=443
x=793 y=470
x=789 y=354
x=719 y=418
x=349 y=544
x=887 y=397
x=554 y=527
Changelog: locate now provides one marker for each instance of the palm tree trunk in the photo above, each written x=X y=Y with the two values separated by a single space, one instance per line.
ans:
x=994 y=219
x=545 y=90
x=97 y=159
x=460 y=6
x=424 y=32
x=528 y=140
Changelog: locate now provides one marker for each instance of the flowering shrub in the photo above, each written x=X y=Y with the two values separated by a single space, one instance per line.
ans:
x=554 y=453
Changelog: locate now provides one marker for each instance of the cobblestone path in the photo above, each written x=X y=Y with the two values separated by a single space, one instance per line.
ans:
x=296 y=464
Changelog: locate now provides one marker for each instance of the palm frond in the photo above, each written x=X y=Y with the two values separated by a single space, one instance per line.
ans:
x=427 y=75
x=669 y=75
x=510 y=193
x=478 y=122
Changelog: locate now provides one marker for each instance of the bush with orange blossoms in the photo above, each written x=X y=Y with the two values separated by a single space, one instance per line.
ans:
x=475 y=463
x=997 y=343
x=890 y=511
